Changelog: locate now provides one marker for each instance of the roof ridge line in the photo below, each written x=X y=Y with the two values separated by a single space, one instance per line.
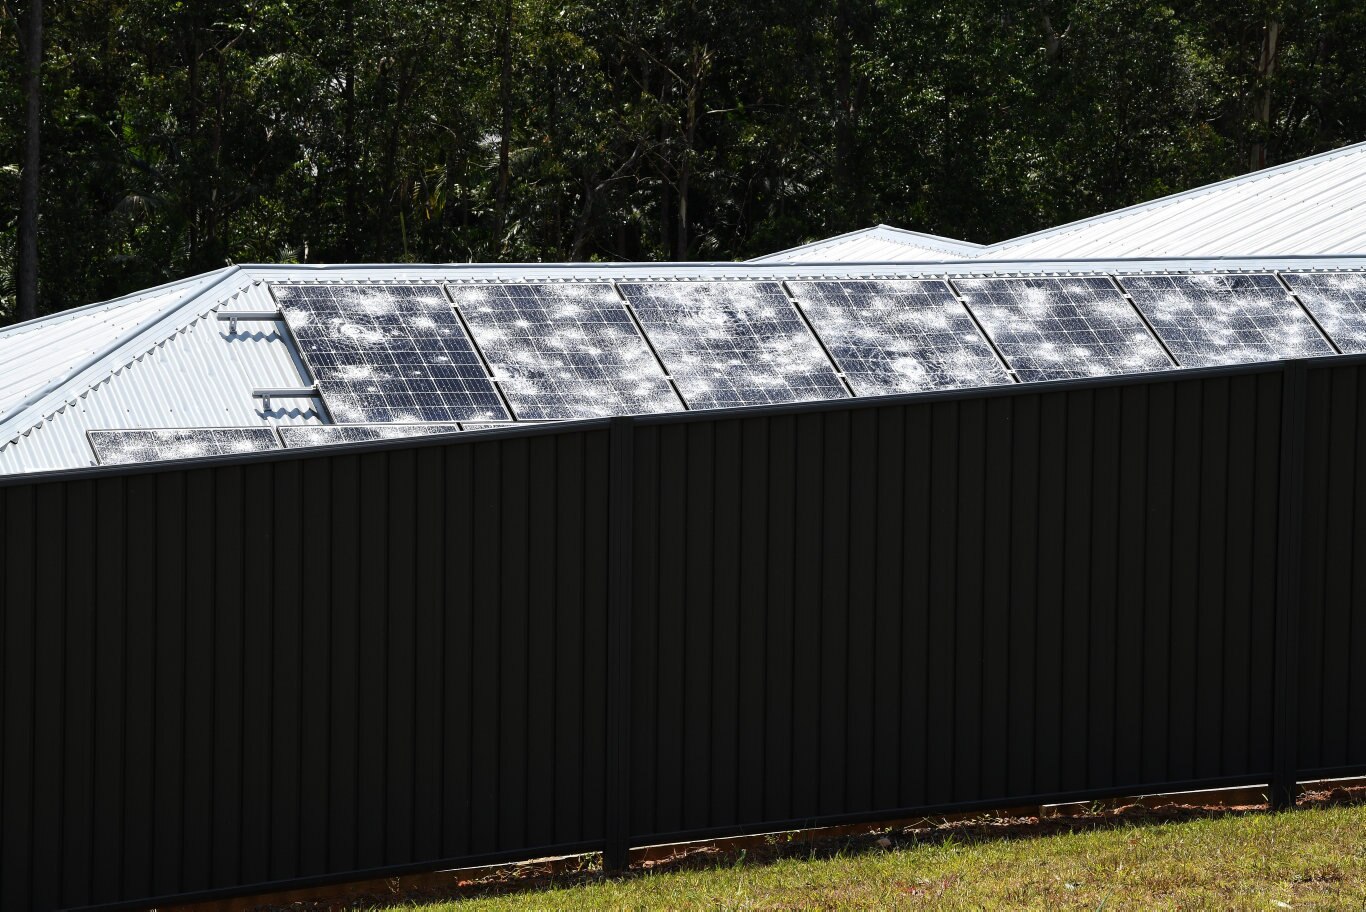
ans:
x=11 y=420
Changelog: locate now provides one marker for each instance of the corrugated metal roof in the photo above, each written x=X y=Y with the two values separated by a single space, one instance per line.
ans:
x=32 y=354
x=1314 y=206
x=177 y=368
x=879 y=244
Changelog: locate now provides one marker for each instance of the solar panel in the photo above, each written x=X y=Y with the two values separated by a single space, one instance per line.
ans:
x=495 y=425
x=1338 y=301
x=1225 y=319
x=1057 y=328
x=123 y=447
x=565 y=350
x=389 y=353
x=733 y=343
x=899 y=336
x=326 y=434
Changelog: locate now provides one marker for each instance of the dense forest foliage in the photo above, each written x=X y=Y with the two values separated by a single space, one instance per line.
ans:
x=181 y=135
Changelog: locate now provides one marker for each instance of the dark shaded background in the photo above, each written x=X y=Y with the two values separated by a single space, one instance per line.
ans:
x=181 y=136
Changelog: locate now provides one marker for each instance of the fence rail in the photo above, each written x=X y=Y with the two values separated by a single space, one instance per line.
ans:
x=296 y=667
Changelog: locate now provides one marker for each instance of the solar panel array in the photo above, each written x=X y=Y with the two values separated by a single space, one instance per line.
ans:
x=1226 y=319
x=733 y=343
x=389 y=353
x=565 y=350
x=899 y=336
x=406 y=360
x=1061 y=328
x=124 y=447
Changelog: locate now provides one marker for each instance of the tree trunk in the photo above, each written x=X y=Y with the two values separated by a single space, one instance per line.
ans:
x=349 y=135
x=1266 y=68
x=505 y=139
x=32 y=49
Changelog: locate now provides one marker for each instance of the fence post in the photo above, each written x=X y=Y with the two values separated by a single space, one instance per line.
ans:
x=1289 y=589
x=621 y=479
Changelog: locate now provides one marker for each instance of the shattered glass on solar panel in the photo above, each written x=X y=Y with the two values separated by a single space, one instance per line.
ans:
x=899 y=336
x=389 y=353
x=495 y=425
x=1225 y=319
x=327 y=434
x=733 y=343
x=1059 y=328
x=1338 y=301
x=124 y=447
x=565 y=350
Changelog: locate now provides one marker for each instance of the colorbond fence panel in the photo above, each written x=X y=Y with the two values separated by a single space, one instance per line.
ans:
x=1332 y=635
x=263 y=672
x=395 y=656
x=975 y=579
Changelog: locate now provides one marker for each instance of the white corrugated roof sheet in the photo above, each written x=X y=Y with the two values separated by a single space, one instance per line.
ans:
x=1315 y=206
x=1312 y=207
x=152 y=360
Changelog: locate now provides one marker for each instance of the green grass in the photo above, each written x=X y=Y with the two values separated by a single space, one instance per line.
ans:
x=1311 y=858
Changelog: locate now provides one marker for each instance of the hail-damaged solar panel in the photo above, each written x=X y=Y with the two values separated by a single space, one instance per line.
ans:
x=498 y=425
x=564 y=350
x=1338 y=301
x=733 y=343
x=899 y=336
x=328 y=434
x=389 y=353
x=1225 y=319
x=1059 y=328
x=127 y=446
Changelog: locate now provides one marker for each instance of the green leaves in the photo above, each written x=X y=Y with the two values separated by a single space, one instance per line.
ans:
x=183 y=135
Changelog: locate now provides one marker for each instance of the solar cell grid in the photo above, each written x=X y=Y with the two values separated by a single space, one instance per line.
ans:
x=389 y=353
x=1338 y=301
x=125 y=447
x=1225 y=319
x=565 y=350
x=327 y=434
x=899 y=336
x=733 y=343
x=1060 y=328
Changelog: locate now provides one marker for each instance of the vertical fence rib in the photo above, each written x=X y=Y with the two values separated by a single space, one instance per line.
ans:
x=1290 y=536
x=621 y=484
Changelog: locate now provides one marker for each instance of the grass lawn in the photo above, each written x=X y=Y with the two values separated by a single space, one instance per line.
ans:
x=1313 y=858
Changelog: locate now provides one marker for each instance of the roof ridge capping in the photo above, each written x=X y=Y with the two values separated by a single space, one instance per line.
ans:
x=1308 y=161
x=886 y=233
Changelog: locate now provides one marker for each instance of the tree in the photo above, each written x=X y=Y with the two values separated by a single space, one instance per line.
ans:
x=31 y=48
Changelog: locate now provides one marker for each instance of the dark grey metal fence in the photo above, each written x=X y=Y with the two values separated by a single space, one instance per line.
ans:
x=297 y=667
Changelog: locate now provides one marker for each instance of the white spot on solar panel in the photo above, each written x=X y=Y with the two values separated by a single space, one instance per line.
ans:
x=733 y=343
x=392 y=353
x=899 y=336
x=1055 y=328
x=328 y=434
x=565 y=351
x=1225 y=319
x=128 y=446
x=1338 y=301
